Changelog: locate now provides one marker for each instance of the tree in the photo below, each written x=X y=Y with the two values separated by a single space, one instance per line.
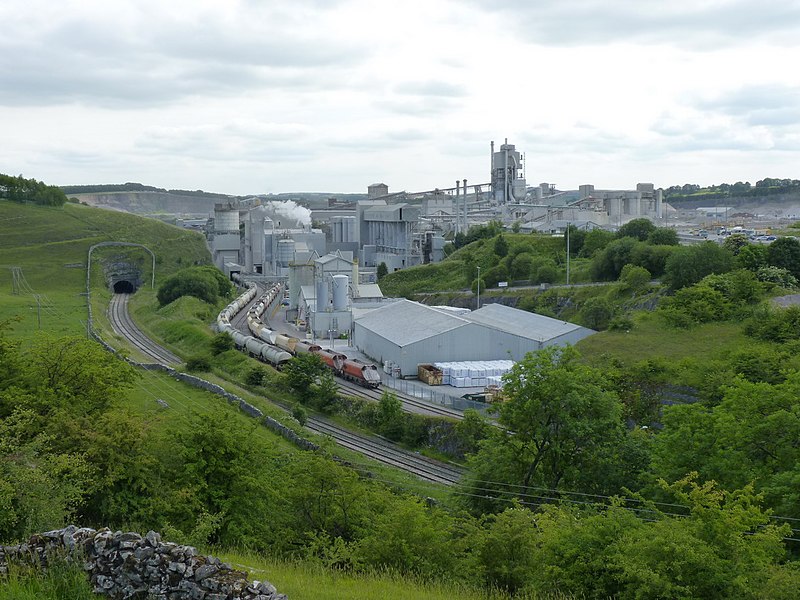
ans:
x=596 y=240
x=689 y=264
x=663 y=236
x=607 y=264
x=560 y=417
x=634 y=278
x=80 y=372
x=382 y=271
x=596 y=313
x=752 y=257
x=302 y=372
x=500 y=246
x=785 y=254
x=735 y=242
x=750 y=436
x=639 y=229
x=390 y=416
x=521 y=266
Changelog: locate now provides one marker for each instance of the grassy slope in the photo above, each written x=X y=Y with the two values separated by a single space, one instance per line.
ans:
x=450 y=274
x=44 y=240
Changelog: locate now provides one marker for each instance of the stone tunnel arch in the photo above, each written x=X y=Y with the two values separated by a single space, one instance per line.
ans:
x=124 y=286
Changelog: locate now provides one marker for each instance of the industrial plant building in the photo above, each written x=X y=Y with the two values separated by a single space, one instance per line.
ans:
x=408 y=334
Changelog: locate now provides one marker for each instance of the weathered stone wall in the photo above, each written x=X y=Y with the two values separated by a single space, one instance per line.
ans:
x=123 y=566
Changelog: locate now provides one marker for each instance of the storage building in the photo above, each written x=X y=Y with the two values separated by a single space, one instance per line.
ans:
x=409 y=334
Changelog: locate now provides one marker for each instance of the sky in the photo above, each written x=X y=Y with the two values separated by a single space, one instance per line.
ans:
x=251 y=97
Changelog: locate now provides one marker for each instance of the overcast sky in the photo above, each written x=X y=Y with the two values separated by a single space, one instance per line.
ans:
x=258 y=96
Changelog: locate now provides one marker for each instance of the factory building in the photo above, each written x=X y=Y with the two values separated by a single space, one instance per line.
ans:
x=225 y=240
x=386 y=234
x=409 y=334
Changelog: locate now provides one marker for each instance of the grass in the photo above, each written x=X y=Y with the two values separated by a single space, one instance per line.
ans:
x=61 y=581
x=308 y=581
x=50 y=245
x=650 y=339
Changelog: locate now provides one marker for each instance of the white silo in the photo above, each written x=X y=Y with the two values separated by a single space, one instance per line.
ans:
x=340 y=285
x=322 y=295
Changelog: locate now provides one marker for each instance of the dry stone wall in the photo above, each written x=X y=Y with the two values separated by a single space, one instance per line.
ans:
x=125 y=566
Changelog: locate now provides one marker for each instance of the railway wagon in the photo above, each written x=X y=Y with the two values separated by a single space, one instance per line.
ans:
x=302 y=347
x=362 y=373
x=275 y=356
x=333 y=360
x=286 y=342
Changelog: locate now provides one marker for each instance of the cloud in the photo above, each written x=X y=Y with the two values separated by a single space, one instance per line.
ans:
x=145 y=58
x=431 y=88
x=773 y=105
x=705 y=24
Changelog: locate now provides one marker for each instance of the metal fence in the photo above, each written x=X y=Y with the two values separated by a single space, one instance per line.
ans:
x=411 y=388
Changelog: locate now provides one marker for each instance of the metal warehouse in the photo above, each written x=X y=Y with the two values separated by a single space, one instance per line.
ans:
x=408 y=334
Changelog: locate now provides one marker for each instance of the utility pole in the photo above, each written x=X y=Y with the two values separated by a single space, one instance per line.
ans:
x=567 y=252
x=38 y=310
x=479 y=287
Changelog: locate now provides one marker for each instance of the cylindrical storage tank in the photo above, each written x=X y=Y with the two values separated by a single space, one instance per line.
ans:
x=226 y=220
x=340 y=284
x=322 y=295
x=348 y=229
x=285 y=252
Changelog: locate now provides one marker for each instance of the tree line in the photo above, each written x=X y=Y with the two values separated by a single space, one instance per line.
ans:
x=20 y=189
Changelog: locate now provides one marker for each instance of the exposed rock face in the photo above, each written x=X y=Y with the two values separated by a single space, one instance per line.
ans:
x=127 y=565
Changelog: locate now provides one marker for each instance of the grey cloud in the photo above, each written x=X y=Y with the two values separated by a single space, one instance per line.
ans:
x=417 y=106
x=767 y=105
x=679 y=23
x=162 y=62
x=431 y=88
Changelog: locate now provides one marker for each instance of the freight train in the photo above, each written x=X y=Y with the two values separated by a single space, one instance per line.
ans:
x=277 y=349
x=255 y=347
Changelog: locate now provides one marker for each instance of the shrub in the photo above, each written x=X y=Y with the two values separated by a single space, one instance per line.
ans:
x=634 y=278
x=198 y=364
x=545 y=274
x=221 y=342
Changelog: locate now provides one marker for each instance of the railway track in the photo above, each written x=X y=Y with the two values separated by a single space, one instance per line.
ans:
x=123 y=325
x=410 y=404
x=380 y=451
x=388 y=454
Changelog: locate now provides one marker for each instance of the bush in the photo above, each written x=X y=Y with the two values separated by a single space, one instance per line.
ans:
x=300 y=414
x=700 y=303
x=205 y=283
x=256 y=376
x=545 y=274
x=634 y=278
x=776 y=276
x=198 y=364
x=221 y=342
x=596 y=313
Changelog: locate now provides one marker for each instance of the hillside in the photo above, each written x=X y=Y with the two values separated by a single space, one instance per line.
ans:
x=50 y=245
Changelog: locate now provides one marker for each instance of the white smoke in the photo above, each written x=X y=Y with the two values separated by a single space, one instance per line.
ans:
x=288 y=213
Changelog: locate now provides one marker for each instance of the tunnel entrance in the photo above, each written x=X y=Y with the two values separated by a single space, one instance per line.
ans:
x=124 y=287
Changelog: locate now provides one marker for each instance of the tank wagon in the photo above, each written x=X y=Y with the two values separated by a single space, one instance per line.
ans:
x=277 y=349
x=258 y=348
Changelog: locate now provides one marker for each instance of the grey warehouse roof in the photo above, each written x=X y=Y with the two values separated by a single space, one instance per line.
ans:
x=522 y=323
x=405 y=322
